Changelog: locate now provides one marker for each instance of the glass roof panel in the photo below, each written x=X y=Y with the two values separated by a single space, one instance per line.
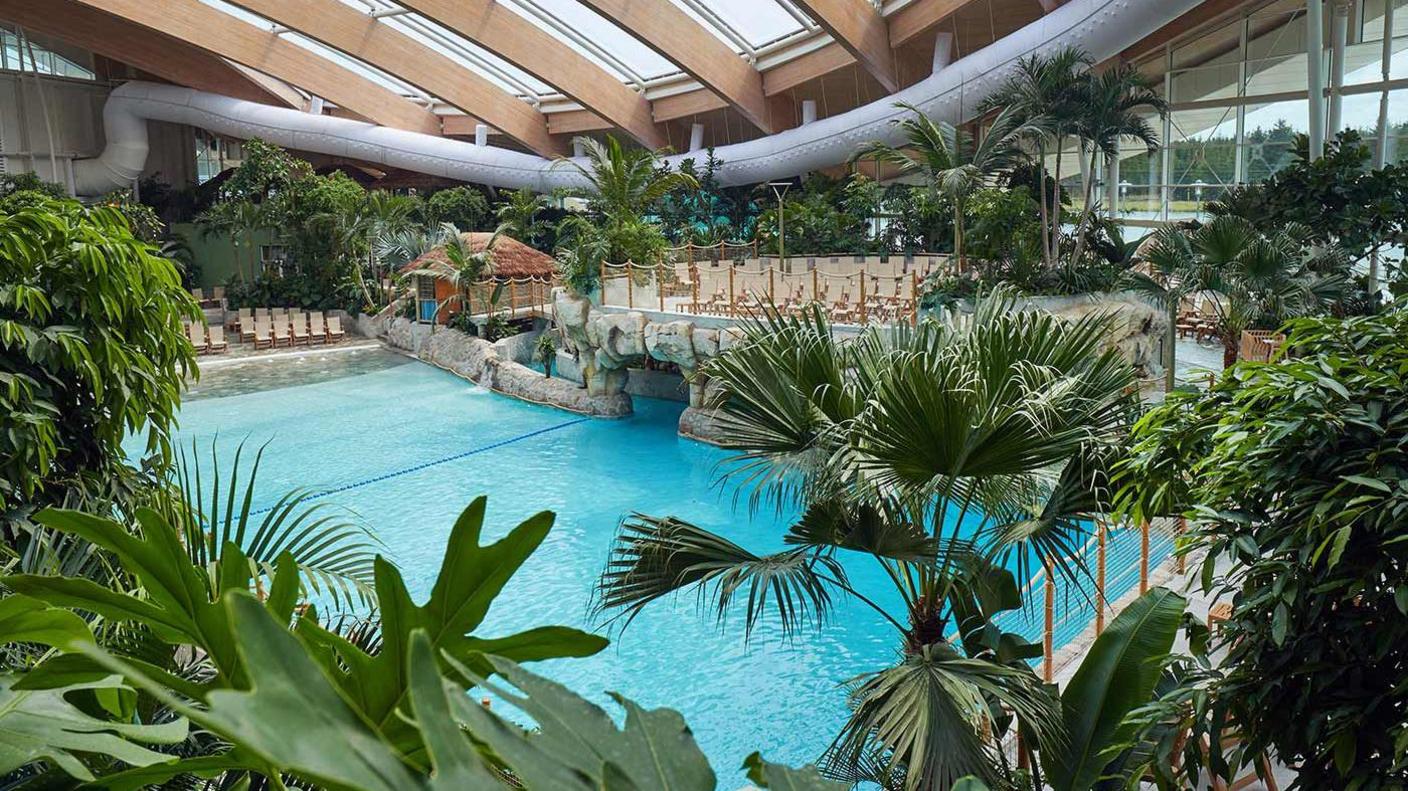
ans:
x=594 y=37
x=757 y=22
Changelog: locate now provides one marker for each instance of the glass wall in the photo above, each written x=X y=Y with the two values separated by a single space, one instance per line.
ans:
x=15 y=56
x=1237 y=97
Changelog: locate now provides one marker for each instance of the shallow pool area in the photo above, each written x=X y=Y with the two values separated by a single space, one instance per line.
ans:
x=407 y=446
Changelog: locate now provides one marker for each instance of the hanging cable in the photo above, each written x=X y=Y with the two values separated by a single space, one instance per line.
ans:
x=43 y=104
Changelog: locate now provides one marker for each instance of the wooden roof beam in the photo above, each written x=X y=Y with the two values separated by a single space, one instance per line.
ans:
x=221 y=34
x=364 y=37
x=534 y=50
x=677 y=37
x=140 y=47
x=859 y=27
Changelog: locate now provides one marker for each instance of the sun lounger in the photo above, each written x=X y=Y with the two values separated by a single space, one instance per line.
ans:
x=195 y=333
x=317 y=330
x=217 y=295
x=263 y=334
x=281 y=336
x=299 y=322
x=334 y=329
x=217 y=343
x=198 y=294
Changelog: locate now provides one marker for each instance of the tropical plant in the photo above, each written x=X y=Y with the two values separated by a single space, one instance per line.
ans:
x=1254 y=280
x=91 y=350
x=1340 y=196
x=1295 y=473
x=938 y=453
x=582 y=251
x=240 y=221
x=1048 y=95
x=623 y=184
x=1119 y=105
x=519 y=215
x=287 y=705
x=545 y=351
x=947 y=159
x=464 y=207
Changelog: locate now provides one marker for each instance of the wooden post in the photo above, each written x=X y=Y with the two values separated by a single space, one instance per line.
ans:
x=1048 y=629
x=862 y=297
x=694 y=278
x=1099 y=576
x=630 y=287
x=660 y=283
x=772 y=294
x=732 y=304
x=1181 y=562
x=816 y=295
x=1143 y=557
x=512 y=298
x=914 y=296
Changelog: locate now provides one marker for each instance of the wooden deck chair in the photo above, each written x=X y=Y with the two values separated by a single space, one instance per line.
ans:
x=195 y=333
x=217 y=343
x=217 y=295
x=317 y=330
x=299 y=322
x=198 y=294
x=263 y=333
x=281 y=336
x=246 y=325
x=335 y=333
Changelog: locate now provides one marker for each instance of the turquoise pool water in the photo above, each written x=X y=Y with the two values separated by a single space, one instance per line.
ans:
x=406 y=446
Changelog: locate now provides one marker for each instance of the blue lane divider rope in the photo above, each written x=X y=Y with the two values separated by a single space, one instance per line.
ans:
x=435 y=462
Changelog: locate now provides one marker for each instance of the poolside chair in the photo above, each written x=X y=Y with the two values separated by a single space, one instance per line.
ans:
x=279 y=316
x=281 y=335
x=246 y=325
x=198 y=294
x=317 y=330
x=195 y=333
x=299 y=321
x=335 y=332
x=263 y=333
x=217 y=343
x=217 y=295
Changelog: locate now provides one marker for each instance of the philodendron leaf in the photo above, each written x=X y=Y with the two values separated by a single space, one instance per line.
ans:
x=577 y=745
x=43 y=725
x=784 y=778
x=470 y=577
x=27 y=620
x=1117 y=676
x=292 y=717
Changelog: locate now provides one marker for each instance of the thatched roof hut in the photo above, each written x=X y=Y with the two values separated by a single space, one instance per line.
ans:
x=512 y=259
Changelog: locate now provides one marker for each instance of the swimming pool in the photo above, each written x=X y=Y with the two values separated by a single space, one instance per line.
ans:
x=407 y=446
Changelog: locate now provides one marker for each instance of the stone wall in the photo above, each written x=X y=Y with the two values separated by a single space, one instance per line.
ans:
x=480 y=362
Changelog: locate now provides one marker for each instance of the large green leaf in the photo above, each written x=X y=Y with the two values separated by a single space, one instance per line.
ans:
x=1117 y=676
x=655 y=750
x=44 y=725
x=26 y=620
x=470 y=577
x=784 y=778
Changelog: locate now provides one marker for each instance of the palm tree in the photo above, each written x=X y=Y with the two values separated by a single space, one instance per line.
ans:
x=1252 y=279
x=1117 y=105
x=1048 y=94
x=937 y=453
x=519 y=214
x=625 y=182
x=948 y=159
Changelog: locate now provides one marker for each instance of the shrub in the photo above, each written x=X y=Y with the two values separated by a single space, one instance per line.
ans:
x=1299 y=473
x=464 y=207
x=91 y=348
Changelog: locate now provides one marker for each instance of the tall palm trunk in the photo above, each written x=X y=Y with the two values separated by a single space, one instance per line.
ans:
x=1170 y=344
x=1087 y=212
x=1056 y=202
x=1041 y=202
x=958 y=234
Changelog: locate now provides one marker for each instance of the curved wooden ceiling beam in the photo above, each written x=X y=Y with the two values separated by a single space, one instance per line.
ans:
x=342 y=27
x=140 y=47
x=217 y=32
x=675 y=36
x=859 y=27
x=534 y=50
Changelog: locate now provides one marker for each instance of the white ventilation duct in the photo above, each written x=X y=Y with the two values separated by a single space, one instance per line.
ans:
x=1100 y=27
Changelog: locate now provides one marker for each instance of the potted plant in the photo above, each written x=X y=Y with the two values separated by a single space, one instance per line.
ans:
x=545 y=352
